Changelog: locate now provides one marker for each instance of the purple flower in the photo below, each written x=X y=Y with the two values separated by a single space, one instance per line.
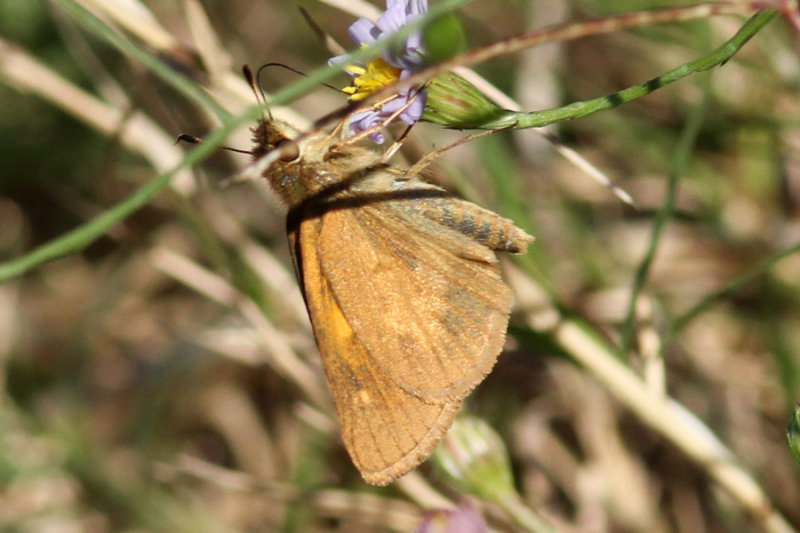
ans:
x=398 y=13
x=365 y=120
x=394 y=64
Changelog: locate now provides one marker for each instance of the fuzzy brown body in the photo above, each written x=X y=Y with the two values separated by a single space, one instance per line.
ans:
x=403 y=289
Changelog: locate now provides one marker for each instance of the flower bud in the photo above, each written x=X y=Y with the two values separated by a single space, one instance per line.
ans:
x=474 y=457
x=456 y=103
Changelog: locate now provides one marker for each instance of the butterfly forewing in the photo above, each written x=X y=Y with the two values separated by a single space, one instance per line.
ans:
x=387 y=431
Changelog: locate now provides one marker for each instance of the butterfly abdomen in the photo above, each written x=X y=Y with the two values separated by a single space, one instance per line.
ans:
x=490 y=229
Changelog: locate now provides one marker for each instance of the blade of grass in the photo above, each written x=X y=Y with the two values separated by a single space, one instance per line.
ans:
x=665 y=416
x=680 y=161
x=85 y=234
x=732 y=287
x=195 y=93
x=130 y=49
x=588 y=107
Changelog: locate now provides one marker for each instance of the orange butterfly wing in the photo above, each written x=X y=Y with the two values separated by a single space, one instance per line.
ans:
x=409 y=316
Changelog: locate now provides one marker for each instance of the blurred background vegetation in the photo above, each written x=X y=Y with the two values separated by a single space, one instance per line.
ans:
x=165 y=377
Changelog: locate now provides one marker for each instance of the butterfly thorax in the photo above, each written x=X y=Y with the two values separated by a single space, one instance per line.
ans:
x=313 y=166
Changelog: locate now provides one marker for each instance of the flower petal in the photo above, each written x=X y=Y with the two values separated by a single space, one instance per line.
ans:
x=415 y=110
x=396 y=5
x=364 y=31
x=339 y=60
x=365 y=120
x=392 y=19
x=417 y=7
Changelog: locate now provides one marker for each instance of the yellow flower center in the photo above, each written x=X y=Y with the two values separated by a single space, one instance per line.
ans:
x=375 y=75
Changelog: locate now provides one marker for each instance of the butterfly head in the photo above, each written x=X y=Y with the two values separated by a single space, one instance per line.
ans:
x=288 y=174
x=307 y=166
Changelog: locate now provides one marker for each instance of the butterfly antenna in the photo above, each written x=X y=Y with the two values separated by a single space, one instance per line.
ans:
x=293 y=70
x=258 y=92
x=191 y=139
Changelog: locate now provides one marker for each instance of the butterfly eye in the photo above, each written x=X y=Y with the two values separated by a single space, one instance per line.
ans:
x=289 y=150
